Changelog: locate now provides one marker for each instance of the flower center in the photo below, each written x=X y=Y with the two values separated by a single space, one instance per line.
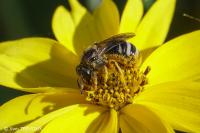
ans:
x=117 y=82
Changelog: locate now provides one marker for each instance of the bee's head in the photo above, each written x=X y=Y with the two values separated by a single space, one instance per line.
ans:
x=84 y=72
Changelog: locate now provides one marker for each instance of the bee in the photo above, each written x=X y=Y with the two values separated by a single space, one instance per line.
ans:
x=93 y=57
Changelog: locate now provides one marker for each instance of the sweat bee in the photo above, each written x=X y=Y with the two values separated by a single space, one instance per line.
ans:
x=93 y=57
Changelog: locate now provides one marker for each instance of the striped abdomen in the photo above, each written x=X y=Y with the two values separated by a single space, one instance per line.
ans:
x=123 y=48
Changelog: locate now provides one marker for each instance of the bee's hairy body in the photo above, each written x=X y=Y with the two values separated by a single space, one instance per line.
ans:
x=95 y=57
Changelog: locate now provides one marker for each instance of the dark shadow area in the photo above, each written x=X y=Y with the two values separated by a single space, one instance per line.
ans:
x=146 y=52
x=58 y=101
x=179 y=131
x=180 y=24
x=27 y=18
x=7 y=94
x=57 y=71
x=90 y=4
x=34 y=76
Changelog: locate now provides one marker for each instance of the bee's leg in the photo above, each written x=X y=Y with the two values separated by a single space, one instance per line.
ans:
x=105 y=71
x=147 y=70
x=121 y=73
x=94 y=77
x=144 y=80
x=80 y=85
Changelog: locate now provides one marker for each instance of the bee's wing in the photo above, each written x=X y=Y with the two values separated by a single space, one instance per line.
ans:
x=117 y=38
x=102 y=45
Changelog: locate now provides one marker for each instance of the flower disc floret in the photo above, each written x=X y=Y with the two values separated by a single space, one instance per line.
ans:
x=117 y=82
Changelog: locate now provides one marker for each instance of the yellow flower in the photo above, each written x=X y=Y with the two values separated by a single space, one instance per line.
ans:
x=171 y=99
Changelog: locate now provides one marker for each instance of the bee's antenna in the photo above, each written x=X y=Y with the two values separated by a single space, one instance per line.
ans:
x=191 y=17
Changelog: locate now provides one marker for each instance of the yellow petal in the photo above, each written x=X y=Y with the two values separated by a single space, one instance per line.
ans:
x=46 y=89
x=176 y=60
x=106 y=122
x=78 y=120
x=101 y=24
x=41 y=122
x=131 y=16
x=25 y=109
x=154 y=27
x=106 y=19
x=139 y=119
x=109 y=124
x=63 y=27
x=77 y=11
x=64 y=23
x=130 y=125
x=176 y=102
x=36 y=62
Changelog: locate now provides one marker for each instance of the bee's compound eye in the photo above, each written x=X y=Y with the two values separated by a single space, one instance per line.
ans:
x=84 y=72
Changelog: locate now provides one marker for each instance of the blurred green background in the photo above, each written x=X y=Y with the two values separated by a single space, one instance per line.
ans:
x=25 y=18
